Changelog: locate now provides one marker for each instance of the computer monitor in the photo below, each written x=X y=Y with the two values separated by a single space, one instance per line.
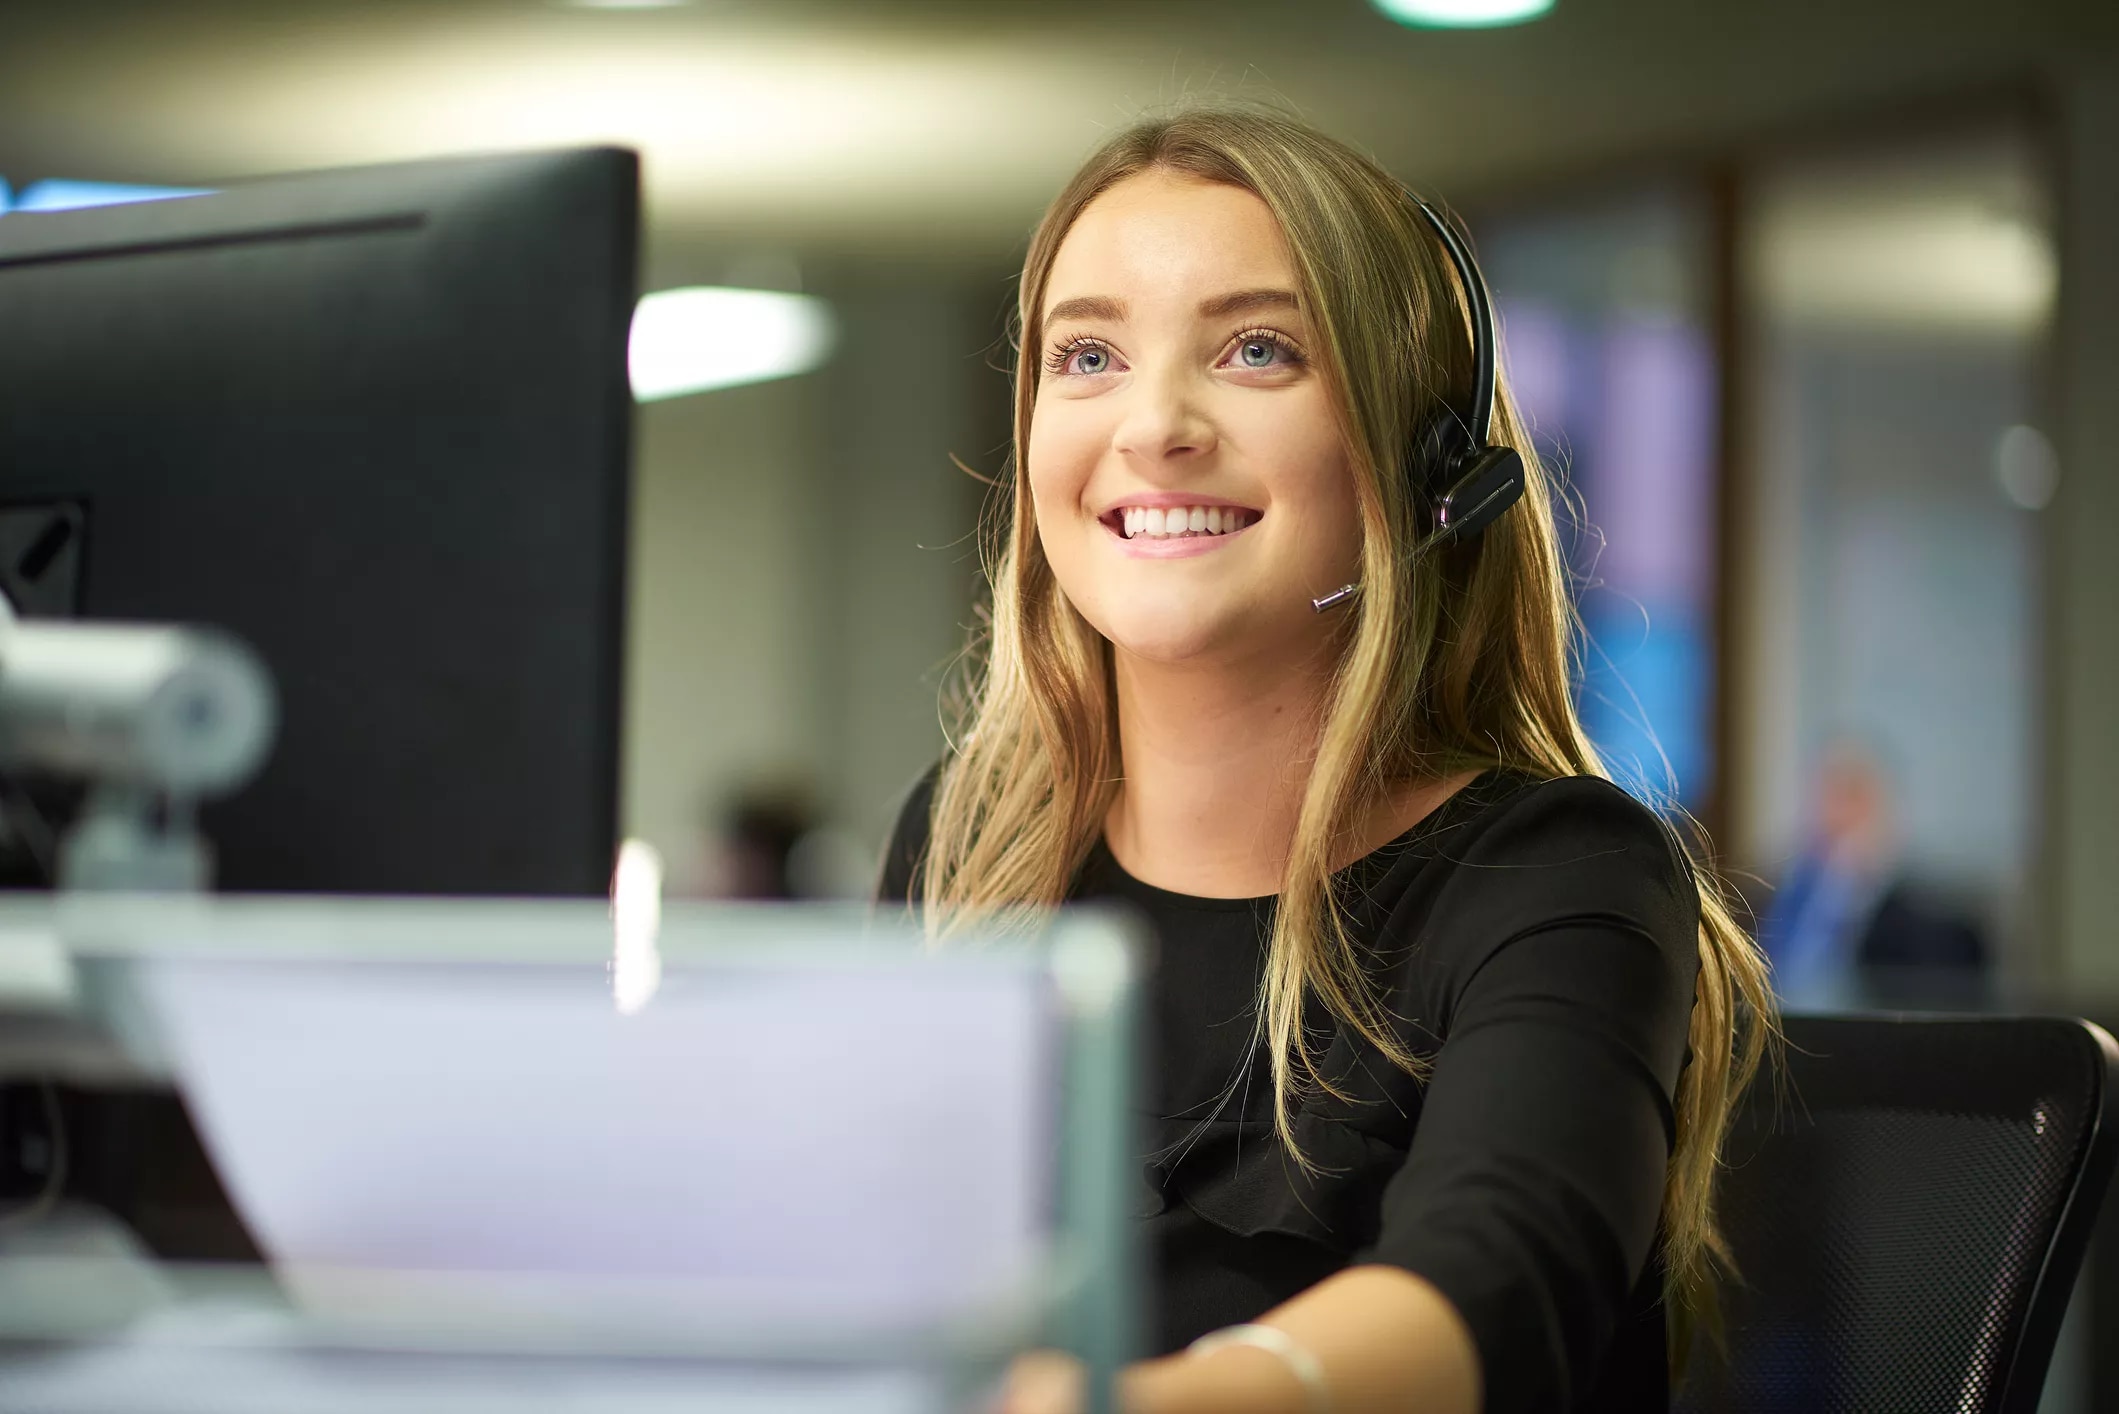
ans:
x=375 y=422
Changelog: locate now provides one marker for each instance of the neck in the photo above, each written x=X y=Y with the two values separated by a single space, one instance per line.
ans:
x=1216 y=760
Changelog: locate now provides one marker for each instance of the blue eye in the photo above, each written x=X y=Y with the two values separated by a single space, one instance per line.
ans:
x=1078 y=356
x=1264 y=350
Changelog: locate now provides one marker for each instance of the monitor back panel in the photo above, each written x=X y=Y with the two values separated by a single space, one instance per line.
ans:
x=376 y=423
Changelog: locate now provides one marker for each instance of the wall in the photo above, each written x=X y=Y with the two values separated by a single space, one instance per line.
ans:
x=2082 y=779
x=721 y=673
x=803 y=567
x=910 y=389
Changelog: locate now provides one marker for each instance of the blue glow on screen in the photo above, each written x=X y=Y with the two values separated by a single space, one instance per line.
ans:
x=60 y=194
x=1643 y=695
x=1624 y=410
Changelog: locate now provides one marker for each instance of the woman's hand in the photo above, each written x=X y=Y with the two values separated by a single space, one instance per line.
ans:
x=1043 y=1382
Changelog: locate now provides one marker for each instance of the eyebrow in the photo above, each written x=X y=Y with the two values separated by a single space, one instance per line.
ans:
x=1247 y=302
x=1219 y=307
x=1087 y=307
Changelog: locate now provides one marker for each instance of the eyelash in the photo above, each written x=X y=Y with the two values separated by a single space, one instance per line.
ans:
x=1056 y=358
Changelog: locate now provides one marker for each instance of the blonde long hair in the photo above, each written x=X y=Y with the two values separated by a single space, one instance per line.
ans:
x=1451 y=661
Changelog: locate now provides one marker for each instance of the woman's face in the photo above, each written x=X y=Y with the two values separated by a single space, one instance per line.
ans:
x=1191 y=487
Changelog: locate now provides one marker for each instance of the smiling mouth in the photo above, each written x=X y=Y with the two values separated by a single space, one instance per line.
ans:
x=1178 y=522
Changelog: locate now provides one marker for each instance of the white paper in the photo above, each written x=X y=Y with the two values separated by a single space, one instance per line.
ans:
x=866 y=1142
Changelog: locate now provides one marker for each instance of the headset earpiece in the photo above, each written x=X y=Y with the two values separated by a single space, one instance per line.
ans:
x=1436 y=449
x=1457 y=474
x=1487 y=485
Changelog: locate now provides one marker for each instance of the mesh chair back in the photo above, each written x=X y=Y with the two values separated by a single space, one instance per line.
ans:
x=1908 y=1213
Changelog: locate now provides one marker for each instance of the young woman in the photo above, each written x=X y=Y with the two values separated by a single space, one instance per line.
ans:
x=1445 y=1028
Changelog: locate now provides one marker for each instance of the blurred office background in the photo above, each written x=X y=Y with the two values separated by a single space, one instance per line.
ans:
x=1814 y=302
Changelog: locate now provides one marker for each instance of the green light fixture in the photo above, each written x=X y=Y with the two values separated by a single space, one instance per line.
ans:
x=1462 y=14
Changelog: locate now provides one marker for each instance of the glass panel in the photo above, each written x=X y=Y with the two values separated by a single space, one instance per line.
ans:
x=1902 y=298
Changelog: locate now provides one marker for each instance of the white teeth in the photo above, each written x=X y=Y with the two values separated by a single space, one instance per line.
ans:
x=1182 y=520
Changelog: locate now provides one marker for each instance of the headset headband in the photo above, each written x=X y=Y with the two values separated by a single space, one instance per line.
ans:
x=1478 y=428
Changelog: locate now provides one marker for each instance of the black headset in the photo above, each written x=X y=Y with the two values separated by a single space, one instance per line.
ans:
x=1456 y=470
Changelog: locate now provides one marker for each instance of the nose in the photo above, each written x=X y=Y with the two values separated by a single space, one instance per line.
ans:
x=1163 y=421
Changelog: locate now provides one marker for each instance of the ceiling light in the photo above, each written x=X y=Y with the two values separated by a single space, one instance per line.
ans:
x=704 y=337
x=1461 y=14
x=1932 y=264
x=2026 y=467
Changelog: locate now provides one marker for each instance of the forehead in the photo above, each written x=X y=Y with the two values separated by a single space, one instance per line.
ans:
x=1163 y=233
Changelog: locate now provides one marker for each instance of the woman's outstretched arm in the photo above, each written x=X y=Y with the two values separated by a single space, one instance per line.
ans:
x=1384 y=1340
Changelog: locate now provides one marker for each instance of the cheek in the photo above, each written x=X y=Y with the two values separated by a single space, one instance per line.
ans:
x=1315 y=486
x=1344 y=507
x=1062 y=448
x=1062 y=454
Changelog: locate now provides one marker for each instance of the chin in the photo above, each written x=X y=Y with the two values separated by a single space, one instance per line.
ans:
x=1169 y=648
x=1175 y=633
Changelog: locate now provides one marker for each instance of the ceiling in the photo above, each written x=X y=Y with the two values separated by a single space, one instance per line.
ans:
x=940 y=126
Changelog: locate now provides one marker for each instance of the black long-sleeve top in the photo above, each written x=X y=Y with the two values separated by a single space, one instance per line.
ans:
x=1536 y=942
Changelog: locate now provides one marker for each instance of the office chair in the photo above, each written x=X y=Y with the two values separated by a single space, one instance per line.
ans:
x=1908 y=1210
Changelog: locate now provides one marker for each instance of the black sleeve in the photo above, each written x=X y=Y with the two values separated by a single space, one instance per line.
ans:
x=1560 y=961
x=898 y=879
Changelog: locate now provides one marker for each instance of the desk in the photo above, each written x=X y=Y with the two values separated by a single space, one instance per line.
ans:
x=677 y=1224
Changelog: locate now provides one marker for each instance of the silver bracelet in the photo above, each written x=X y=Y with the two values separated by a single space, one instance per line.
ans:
x=1307 y=1370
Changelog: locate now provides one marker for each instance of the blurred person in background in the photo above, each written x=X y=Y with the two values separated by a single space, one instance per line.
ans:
x=752 y=839
x=768 y=841
x=1446 y=1028
x=1847 y=925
